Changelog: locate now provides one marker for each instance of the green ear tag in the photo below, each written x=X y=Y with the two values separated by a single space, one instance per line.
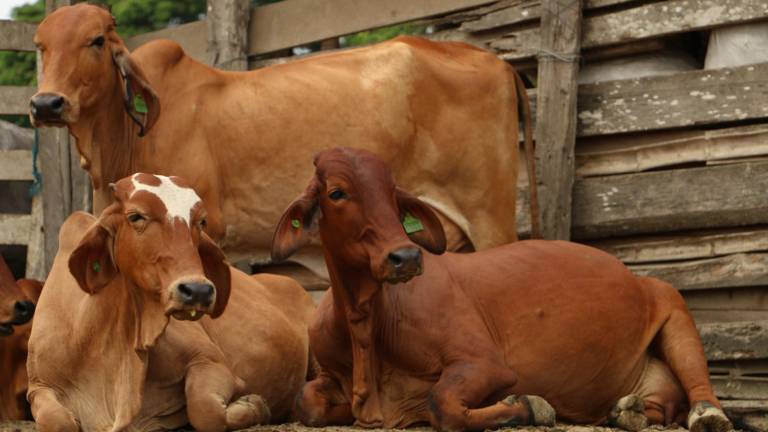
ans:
x=295 y=223
x=139 y=105
x=96 y=267
x=412 y=224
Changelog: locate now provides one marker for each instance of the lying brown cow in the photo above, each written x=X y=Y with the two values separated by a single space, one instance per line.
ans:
x=458 y=345
x=104 y=353
x=443 y=115
x=17 y=299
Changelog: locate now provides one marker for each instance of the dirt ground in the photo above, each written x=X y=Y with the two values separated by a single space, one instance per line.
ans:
x=295 y=427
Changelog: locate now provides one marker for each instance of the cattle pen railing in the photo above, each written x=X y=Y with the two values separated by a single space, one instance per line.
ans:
x=667 y=171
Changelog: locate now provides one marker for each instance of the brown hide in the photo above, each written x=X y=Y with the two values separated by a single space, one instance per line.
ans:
x=555 y=319
x=13 y=347
x=128 y=293
x=444 y=115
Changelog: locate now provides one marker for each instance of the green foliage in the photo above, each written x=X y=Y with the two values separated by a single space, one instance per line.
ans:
x=382 y=34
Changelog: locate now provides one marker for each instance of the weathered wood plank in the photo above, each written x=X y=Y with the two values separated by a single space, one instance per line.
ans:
x=16 y=165
x=740 y=388
x=15 y=229
x=735 y=341
x=685 y=246
x=728 y=299
x=17 y=36
x=667 y=201
x=556 y=106
x=228 y=34
x=737 y=270
x=641 y=152
x=14 y=100
x=643 y=22
x=683 y=99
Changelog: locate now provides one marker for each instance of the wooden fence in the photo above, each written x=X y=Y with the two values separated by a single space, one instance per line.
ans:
x=668 y=172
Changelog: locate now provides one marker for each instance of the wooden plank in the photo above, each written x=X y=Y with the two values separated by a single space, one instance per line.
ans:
x=683 y=99
x=15 y=165
x=15 y=229
x=667 y=201
x=228 y=33
x=685 y=246
x=728 y=299
x=287 y=24
x=17 y=36
x=556 y=106
x=723 y=316
x=643 y=22
x=193 y=37
x=738 y=270
x=641 y=152
x=740 y=388
x=735 y=341
x=14 y=100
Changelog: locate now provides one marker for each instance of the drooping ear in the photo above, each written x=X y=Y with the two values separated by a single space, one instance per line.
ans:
x=217 y=271
x=31 y=288
x=420 y=222
x=143 y=111
x=298 y=223
x=91 y=262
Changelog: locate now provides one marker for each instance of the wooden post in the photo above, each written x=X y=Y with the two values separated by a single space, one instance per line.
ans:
x=228 y=34
x=66 y=187
x=556 y=112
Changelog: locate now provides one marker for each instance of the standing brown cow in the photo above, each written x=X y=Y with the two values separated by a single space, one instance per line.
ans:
x=443 y=115
x=17 y=299
x=104 y=352
x=458 y=345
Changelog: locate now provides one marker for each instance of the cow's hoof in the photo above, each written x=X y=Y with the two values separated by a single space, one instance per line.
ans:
x=705 y=417
x=542 y=413
x=247 y=411
x=629 y=414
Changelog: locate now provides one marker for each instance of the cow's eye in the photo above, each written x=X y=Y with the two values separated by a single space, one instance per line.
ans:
x=135 y=218
x=98 y=42
x=337 y=194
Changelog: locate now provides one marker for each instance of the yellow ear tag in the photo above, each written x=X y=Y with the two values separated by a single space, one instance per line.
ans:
x=96 y=267
x=412 y=224
x=139 y=105
x=295 y=223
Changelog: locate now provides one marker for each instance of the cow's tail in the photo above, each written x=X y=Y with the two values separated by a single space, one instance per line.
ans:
x=530 y=158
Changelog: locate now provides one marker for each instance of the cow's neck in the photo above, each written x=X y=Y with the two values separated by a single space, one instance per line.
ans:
x=355 y=295
x=108 y=143
x=116 y=327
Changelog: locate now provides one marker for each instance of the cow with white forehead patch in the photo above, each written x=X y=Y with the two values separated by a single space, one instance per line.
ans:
x=104 y=353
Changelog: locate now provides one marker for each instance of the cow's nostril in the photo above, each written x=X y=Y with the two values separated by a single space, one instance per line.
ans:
x=23 y=311
x=195 y=293
x=405 y=257
x=395 y=260
x=47 y=106
x=57 y=103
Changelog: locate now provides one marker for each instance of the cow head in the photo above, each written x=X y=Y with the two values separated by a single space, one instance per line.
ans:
x=152 y=237
x=85 y=65
x=365 y=222
x=15 y=306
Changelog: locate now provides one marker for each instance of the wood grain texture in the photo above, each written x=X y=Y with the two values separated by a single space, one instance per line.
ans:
x=668 y=201
x=556 y=107
x=735 y=341
x=16 y=165
x=17 y=36
x=737 y=270
x=14 y=100
x=228 y=34
x=15 y=229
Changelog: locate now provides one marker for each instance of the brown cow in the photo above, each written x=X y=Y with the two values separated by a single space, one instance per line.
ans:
x=104 y=353
x=17 y=298
x=443 y=115
x=454 y=345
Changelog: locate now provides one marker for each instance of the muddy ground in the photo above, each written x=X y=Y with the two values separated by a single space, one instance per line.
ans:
x=295 y=427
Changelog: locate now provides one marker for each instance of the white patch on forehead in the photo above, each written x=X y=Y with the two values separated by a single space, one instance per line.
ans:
x=178 y=200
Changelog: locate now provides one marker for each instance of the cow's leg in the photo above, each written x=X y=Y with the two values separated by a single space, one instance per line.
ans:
x=49 y=414
x=462 y=387
x=322 y=402
x=209 y=388
x=679 y=344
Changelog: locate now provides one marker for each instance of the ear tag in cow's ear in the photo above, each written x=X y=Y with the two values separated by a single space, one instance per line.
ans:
x=96 y=267
x=295 y=223
x=139 y=105
x=412 y=224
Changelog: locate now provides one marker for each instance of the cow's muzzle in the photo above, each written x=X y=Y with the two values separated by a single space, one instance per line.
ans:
x=6 y=330
x=48 y=109
x=193 y=299
x=403 y=264
x=22 y=312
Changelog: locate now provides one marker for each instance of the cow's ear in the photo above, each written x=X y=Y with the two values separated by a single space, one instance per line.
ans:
x=91 y=262
x=298 y=223
x=31 y=288
x=217 y=271
x=420 y=222
x=140 y=100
